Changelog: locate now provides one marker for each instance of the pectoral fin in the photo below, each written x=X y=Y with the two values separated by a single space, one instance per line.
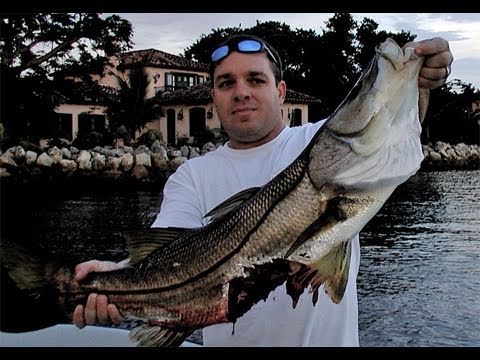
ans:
x=148 y=335
x=333 y=214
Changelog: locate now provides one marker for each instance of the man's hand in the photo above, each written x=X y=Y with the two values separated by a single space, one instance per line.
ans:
x=435 y=70
x=438 y=62
x=97 y=309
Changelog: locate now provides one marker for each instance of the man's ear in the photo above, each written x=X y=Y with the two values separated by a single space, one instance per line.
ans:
x=282 y=91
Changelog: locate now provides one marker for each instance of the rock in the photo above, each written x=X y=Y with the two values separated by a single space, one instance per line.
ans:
x=67 y=165
x=143 y=159
x=127 y=162
x=176 y=162
x=44 y=160
x=31 y=157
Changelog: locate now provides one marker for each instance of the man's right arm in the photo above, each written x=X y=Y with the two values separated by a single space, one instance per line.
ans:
x=180 y=208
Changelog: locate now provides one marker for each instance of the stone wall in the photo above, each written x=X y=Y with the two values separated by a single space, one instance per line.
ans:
x=443 y=156
x=152 y=165
x=115 y=165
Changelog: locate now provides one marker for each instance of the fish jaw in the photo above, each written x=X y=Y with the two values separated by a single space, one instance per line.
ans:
x=371 y=107
x=374 y=136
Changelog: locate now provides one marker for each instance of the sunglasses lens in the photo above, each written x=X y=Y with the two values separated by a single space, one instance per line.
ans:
x=249 y=46
x=245 y=46
x=220 y=53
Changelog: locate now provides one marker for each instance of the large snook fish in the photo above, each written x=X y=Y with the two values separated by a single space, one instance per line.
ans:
x=295 y=229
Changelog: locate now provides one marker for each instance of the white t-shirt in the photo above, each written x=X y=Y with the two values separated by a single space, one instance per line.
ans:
x=202 y=183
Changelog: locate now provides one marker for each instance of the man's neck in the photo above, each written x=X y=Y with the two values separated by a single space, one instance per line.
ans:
x=241 y=145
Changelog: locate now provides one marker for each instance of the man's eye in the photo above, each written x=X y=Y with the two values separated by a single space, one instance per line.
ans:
x=257 y=80
x=225 y=83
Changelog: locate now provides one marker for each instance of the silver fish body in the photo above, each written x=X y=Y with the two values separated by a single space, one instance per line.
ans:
x=296 y=229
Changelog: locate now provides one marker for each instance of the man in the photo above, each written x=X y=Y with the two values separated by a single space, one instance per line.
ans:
x=248 y=91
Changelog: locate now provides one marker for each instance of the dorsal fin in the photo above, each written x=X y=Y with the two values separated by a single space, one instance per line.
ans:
x=140 y=243
x=231 y=203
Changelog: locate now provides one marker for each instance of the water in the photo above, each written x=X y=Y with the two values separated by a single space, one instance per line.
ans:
x=419 y=280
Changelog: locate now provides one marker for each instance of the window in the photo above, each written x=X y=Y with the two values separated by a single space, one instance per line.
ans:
x=60 y=126
x=295 y=117
x=90 y=122
x=175 y=81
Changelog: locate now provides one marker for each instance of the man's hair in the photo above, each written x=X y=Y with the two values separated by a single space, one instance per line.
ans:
x=277 y=70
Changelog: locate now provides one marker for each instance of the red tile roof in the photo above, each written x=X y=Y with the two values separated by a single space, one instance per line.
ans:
x=157 y=58
x=200 y=95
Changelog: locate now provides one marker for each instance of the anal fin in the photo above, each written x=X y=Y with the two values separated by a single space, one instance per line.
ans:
x=153 y=335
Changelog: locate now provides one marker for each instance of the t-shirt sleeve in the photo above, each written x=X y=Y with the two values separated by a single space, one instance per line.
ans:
x=181 y=204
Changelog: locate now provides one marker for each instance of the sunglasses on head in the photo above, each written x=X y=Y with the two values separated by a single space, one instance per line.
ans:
x=243 y=46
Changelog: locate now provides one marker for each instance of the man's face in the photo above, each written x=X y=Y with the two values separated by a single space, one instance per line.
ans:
x=247 y=99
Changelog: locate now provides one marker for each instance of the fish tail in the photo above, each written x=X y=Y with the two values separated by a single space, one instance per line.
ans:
x=28 y=300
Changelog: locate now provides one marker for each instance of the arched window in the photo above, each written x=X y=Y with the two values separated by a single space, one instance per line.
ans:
x=295 y=117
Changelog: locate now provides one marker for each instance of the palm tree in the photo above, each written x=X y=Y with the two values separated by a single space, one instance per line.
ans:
x=129 y=106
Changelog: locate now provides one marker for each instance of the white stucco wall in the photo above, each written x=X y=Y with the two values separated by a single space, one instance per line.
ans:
x=76 y=110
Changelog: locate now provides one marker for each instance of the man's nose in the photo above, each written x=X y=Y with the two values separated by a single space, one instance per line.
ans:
x=242 y=91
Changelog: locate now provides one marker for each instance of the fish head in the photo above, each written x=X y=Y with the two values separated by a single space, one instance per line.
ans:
x=389 y=78
x=376 y=122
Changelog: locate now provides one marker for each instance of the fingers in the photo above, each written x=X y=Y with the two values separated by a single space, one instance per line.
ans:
x=78 y=318
x=91 y=310
x=83 y=269
x=437 y=64
x=431 y=46
x=102 y=312
x=432 y=78
x=439 y=60
x=434 y=73
x=97 y=310
x=114 y=314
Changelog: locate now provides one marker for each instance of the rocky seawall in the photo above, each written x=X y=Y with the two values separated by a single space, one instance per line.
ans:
x=119 y=165
x=124 y=165
x=443 y=156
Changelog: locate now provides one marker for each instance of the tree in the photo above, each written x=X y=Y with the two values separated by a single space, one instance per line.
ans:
x=368 y=37
x=292 y=45
x=33 y=47
x=450 y=117
x=327 y=65
x=129 y=106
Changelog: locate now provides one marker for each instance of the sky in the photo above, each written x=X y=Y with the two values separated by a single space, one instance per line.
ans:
x=174 y=32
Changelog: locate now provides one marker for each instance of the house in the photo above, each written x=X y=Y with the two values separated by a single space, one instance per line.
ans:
x=190 y=110
x=183 y=92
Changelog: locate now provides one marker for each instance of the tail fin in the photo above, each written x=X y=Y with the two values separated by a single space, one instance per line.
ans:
x=28 y=302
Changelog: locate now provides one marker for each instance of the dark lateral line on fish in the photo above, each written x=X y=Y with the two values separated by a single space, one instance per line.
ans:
x=216 y=265
x=303 y=158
